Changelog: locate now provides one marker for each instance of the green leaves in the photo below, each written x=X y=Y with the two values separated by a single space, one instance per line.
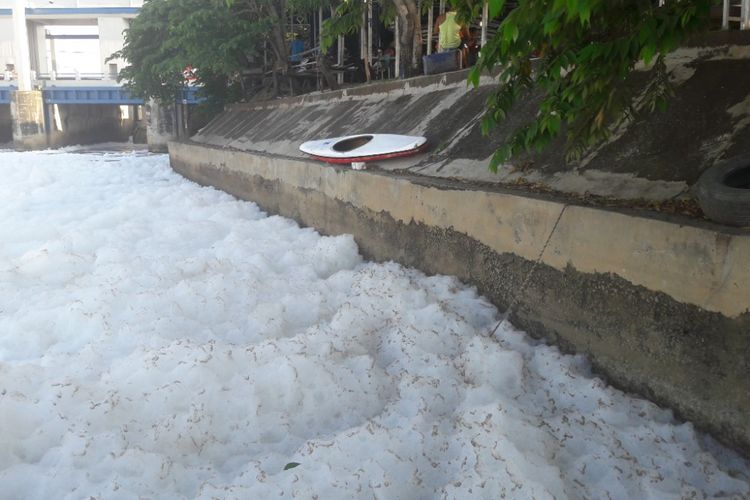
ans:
x=495 y=7
x=510 y=32
x=571 y=58
x=347 y=20
x=583 y=52
x=291 y=465
x=220 y=38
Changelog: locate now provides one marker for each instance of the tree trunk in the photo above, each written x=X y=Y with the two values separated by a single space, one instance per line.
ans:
x=416 y=43
x=410 y=36
x=325 y=69
x=277 y=40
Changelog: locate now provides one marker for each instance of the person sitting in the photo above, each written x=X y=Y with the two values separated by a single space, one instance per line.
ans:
x=450 y=33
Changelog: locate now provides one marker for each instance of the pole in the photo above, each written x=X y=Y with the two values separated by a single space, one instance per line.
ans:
x=725 y=15
x=398 y=50
x=369 y=32
x=321 y=56
x=364 y=52
x=339 y=54
x=430 y=15
x=320 y=28
x=363 y=36
x=485 y=20
x=21 y=46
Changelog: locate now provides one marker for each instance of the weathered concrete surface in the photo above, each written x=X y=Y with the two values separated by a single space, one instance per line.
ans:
x=655 y=156
x=161 y=126
x=27 y=110
x=660 y=308
x=6 y=124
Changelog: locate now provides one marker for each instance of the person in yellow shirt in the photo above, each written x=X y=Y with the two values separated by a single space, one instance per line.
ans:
x=450 y=33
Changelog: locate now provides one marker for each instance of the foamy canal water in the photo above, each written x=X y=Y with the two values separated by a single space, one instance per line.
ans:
x=163 y=340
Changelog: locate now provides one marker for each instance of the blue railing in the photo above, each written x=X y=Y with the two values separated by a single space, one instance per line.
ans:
x=88 y=95
x=96 y=95
x=190 y=96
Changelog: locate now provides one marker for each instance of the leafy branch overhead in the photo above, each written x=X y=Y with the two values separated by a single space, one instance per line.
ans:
x=220 y=38
x=573 y=59
x=348 y=18
x=576 y=56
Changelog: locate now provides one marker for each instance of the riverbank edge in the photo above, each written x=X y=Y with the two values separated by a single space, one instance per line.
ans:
x=659 y=307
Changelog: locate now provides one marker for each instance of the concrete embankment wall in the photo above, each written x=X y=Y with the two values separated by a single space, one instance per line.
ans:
x=660 y=305
x=654 y=156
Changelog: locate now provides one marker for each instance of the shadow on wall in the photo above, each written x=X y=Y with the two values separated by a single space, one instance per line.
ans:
x=6 y=124
x=91 y=124
x=201 y=114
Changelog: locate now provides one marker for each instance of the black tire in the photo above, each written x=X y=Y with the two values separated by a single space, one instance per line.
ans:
x=724 y=192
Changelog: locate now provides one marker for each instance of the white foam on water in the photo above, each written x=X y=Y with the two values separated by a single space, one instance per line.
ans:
x=164 y=340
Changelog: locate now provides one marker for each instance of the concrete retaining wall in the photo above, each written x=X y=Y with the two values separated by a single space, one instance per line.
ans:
x=161 y=126
x=660 y=307
x=654 y=156
x=6 y=124
x=27 y=110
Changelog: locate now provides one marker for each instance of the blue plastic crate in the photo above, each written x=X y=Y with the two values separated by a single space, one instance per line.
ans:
x=441 y=62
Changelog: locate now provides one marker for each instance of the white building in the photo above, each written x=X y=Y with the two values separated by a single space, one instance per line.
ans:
x=64 y=39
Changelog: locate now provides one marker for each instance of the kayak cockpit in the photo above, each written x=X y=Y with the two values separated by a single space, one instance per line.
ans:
x=352 y=143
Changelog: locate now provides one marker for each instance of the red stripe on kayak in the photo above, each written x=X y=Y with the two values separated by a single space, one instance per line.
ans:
x=384 y=156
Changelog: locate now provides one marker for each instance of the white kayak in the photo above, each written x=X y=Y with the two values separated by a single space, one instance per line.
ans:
x=363 y=147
